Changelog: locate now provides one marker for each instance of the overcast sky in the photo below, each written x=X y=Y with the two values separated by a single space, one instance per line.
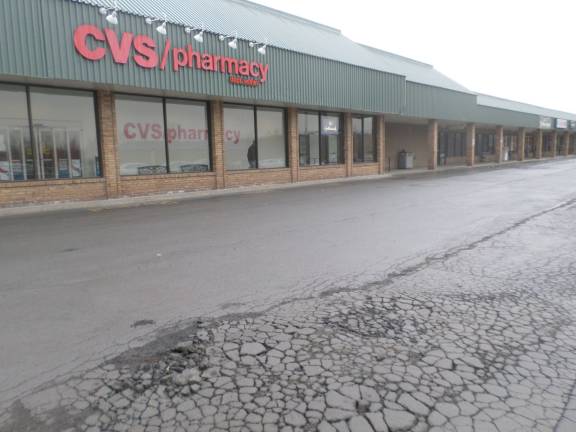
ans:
x=521 y=50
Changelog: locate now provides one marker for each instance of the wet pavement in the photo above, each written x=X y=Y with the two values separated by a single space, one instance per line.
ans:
x=476 y=334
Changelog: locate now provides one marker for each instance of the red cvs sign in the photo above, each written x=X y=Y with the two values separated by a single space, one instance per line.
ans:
x=94 y=44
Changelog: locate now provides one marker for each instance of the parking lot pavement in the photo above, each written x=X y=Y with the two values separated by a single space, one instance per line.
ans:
x=481 y=337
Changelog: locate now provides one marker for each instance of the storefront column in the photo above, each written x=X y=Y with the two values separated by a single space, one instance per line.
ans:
x=108 y=140
x=499 y=143
x=432 y=144
x=521 y=144
x=538 y=141
x=293 y=145
x=566 y=139
x=217 y=138
x=470 y=143
x=381 y=143
x=348 y=143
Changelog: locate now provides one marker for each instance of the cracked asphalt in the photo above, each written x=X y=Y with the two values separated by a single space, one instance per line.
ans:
x=473 y=335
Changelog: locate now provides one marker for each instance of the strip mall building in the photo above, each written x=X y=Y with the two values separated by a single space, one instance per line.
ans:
x=98 y=102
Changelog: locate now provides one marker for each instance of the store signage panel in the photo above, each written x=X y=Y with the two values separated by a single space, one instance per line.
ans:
x=572 y=124
x=545 y=123
x=94 y=44
x=329 y=127
x=561 y=124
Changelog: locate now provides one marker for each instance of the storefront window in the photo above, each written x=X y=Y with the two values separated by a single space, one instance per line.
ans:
x=364 y=139
x=65 y=133
x=16 y=155
x=188 y=139
x=560 y=144
x=330 y=140
x=451 y=144
x=141 y=144
x=485 y=144
x=547 y=143
x=510 y=146
x=64 y=142
x=271 y=138
x=324 y=151
x=529 y=146
x=239 y=138
x=244 y=148
x=309 y=139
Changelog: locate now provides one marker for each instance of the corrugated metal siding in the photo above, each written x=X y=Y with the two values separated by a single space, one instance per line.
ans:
x=503 y=117
x=36 y=41
x=294 y=78
x=21 y=41
x=437 y=103
x=253 y=21
x=442 y=104
x=509 y=105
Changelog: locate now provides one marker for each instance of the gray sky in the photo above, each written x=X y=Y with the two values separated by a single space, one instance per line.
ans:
x=521 y=50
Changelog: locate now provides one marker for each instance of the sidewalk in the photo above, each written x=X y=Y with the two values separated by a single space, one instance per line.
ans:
x=129 y=201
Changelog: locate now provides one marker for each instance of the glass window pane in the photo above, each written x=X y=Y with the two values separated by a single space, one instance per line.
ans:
x=188 y=142
x=5 y=158
x=15 y=142
x=330 y=144
x=239 y=138
x=47 y=156
x=56 y=115
x=309 y=142
x=75 y=154
x=357 y=139
x=369 y=140
x=141 y=146
x=271 y=138
x=17 y=152
x=62 y=154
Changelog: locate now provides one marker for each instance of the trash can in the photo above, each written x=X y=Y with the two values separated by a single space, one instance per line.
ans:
x=405 y=160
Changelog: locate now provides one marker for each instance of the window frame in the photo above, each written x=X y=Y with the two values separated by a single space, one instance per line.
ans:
x=27 y=92
x=256 y=138
x=362 y=144
x=320 y=114
x=164 y=100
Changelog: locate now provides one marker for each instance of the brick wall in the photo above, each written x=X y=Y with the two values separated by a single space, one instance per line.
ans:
x=31 y=192
x=364 y=169
x=322 y=172
x=108 y=150
x=293 y=150
x=256 y=177
x=154 y=184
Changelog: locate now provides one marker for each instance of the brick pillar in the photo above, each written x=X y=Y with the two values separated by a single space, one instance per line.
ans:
x=108 y=138
x=538 y=141
x=348 y=143
x=293 y=144
x=566 y=138
x=217 y=138
x=521 y=144
x=432 y=144
x=470 y=143
x=499 y=143
x=381 y=143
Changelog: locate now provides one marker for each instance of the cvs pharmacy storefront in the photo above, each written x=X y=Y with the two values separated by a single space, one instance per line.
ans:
x=108 y=110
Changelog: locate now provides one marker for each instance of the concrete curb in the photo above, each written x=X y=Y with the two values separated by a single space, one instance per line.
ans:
x=182 y=196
